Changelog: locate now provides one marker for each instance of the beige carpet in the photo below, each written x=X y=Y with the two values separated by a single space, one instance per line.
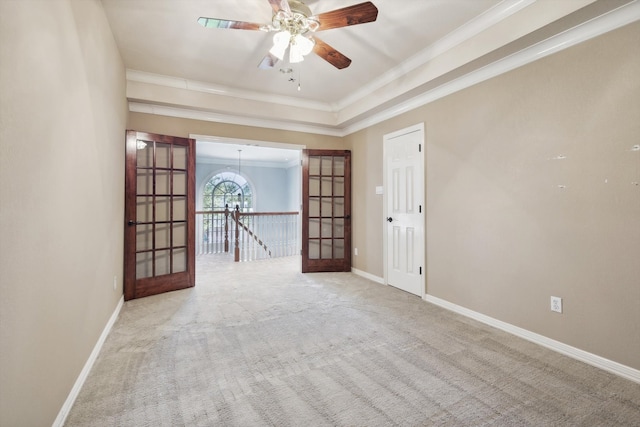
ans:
x=259 y=344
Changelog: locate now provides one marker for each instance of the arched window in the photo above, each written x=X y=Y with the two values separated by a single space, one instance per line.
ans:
x=227 y=188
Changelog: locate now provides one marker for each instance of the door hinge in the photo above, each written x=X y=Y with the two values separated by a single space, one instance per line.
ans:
x=421 y=271
x=419 y=208
x=419 y=148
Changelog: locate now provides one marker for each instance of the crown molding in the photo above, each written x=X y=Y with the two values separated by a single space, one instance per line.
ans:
x=185 y=113
x=612 y=20
x=608 y=22
x=469 y=30
x=198 y=86
x=240 y=141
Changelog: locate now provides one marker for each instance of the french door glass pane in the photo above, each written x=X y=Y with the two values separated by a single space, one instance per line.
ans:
x=179 y=157
x=180 y=234
x=314 y=249
x=314 y=207
x=163 y=208
x=314 y=165
x=179 y=183
x=327 y=166
x=338 y=228
x=163 y=182
x=144 y=265
x=338 y=207
x=338 y=187
x=144 y=154
x=163 y=236
x=338 y=248
x=144 y=237
x=161 y=204
x=327 y=228
x=144 y=181
x=144 y=209
x=327 y=252
x=179 y=208
x=327 y=186
x=338 y=166
x=179 y=260
x=314 y=228
x=163 y=155
x=314 y=186
x=162 y=262
x=326 y=207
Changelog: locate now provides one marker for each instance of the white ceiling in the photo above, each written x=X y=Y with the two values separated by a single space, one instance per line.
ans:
x=163 y=37
x=415 y=52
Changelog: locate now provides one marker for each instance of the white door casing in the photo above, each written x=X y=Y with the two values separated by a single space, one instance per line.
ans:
x=404 y=209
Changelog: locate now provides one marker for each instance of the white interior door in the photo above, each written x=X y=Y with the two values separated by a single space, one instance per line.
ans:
x=404 y=203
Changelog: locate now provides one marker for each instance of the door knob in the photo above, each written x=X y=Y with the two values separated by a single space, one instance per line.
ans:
x=132 y=222
x=390 y=219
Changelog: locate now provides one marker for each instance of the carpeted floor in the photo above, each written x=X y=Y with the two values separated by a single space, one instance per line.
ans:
x=260 y=344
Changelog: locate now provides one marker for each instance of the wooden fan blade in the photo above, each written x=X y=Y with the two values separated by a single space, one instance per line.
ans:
x=330 y=55
x=351 y=15
x=224 y=23
x=269 y=61
x=280 y=5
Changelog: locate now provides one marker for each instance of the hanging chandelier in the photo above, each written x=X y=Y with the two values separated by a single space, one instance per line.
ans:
x=292 y=27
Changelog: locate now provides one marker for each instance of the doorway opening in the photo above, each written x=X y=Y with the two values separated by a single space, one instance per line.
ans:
x=248 y=198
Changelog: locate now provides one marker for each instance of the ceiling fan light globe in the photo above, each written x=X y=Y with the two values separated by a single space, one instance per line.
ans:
x=303 y=44
x=295 y=55
x=282 y=39
x=280 y=43
x=278 y=52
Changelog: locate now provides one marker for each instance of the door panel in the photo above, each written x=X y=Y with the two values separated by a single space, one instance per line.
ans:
x=404 y=178
x=159 y=214
x=326 y=210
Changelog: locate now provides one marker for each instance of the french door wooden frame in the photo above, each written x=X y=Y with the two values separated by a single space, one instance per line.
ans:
x=159 y=223
x=326 y=210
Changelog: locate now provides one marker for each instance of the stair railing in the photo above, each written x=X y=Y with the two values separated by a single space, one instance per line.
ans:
x=254 y=235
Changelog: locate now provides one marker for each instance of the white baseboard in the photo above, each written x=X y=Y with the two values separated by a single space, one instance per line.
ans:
x=66 y=407
x=581 y=355
x=368 y=275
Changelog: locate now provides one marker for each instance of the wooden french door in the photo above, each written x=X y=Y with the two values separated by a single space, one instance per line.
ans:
x=159 y=237
x=326 y=210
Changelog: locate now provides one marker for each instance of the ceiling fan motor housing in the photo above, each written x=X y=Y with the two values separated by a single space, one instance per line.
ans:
x=297 y=21
x=299 y=7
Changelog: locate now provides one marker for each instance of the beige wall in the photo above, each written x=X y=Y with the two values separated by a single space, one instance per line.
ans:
x=502 y=237
x=63 y=117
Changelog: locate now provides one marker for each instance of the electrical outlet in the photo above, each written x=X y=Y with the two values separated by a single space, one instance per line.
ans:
x=556 y=304
x=355 y=251
x=115 y=283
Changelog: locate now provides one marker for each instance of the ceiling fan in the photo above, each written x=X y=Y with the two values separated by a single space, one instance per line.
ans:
x=294 y=25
